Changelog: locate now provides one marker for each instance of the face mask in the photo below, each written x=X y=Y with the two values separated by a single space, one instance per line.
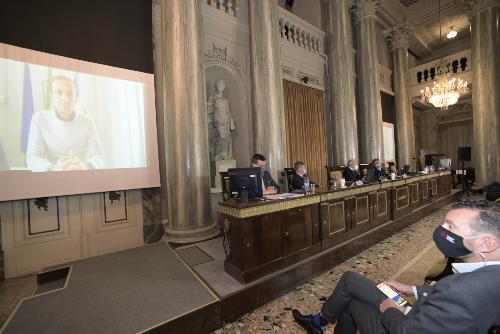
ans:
x=356 y=167
x=450 y=244
x=377 y=166
x=305 y=171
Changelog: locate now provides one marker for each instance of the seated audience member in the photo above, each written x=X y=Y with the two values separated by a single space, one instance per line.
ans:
x=300 y=178
x=351 y=172
x=465 y=302
x=375 y=171
x=269 y=186
x=492 y=191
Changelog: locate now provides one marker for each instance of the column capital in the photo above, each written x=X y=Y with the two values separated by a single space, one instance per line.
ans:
x=364 y=9
x=399 y=36
x=473 y=7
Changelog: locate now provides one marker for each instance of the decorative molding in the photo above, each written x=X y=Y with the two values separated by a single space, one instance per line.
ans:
x=268 y=208
x=399 y=36
x=364 y=9
x=473 y=7
x=218 y=55
x=319 y=198
x=42 y=204
x=301 y=77
x=112 y=197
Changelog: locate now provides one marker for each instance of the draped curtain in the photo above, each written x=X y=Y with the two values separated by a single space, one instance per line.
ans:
x=305 y=129
x=451 y=136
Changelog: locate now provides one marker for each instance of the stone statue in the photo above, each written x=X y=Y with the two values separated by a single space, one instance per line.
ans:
x=220 y=124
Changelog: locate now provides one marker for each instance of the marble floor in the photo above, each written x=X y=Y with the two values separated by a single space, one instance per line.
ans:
x=12 y=291
x=407 y=256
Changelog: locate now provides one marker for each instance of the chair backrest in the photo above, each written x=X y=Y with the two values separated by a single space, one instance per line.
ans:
x=334 y=172
x=288 y=173
x=363 y=168
x=392 y=166
x=226 y=189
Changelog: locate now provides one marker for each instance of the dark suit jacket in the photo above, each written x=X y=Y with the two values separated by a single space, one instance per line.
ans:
x=269 y=182
x=351 y=175
x=373 y=174
x=298 y=181
x=460 y=303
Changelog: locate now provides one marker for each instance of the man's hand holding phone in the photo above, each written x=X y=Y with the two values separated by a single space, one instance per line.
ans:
x=400 y=288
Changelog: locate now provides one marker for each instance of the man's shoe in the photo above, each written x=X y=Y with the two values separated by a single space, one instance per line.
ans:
x=305 y=321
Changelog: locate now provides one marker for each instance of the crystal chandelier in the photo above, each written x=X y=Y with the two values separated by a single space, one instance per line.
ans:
x=445 y=90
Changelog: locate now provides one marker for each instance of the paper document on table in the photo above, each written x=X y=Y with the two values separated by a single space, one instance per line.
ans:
x=283 y=196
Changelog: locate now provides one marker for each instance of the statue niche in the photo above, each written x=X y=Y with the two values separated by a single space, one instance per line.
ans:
x=220 y=124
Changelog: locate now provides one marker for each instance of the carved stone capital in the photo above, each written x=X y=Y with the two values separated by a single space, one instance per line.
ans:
x=473 y=7
x=399 y=36
x=364 y=9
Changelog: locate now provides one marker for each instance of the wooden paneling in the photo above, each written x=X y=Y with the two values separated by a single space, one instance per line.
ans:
x=362 y=210
x=297 y=230
x=290 y=231
x=305 y=129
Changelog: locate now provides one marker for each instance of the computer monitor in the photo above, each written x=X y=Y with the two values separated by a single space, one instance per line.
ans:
x=245 y=183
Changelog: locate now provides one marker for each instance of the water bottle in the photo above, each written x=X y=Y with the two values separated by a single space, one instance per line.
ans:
x=307 y=186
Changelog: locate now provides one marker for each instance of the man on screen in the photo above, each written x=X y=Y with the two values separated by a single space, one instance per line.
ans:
x=61 y=139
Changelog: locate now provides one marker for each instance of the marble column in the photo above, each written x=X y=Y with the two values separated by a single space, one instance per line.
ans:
x=370 y=105
x=405 y=137
x=269 y=135
x=485 y=45
x=185 y=123
x=342 y=82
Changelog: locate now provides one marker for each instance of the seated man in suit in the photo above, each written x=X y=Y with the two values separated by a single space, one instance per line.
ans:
x=465 y=302
x=269 y=186
x=300 y=178
x=375 y=171
x=351 y=172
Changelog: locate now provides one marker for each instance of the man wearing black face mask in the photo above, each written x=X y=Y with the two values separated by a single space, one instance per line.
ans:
x=466 y=302
x=269 y=186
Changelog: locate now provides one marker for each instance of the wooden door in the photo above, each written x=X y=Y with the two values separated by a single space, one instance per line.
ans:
x=297 y=229
x=262 y=240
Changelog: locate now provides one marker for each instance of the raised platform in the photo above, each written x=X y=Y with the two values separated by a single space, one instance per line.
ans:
x=152 y=289
x=146 y=289
x=238 y=299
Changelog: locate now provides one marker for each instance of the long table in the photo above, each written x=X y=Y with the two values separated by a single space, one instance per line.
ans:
x=264 y=237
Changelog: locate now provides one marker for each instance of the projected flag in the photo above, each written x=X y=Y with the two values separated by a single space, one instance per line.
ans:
x=28 y=108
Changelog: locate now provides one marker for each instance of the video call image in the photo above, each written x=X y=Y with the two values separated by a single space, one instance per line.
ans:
x=53 y=119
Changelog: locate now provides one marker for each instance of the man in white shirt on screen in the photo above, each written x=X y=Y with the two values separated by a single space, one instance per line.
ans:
x=61 y=139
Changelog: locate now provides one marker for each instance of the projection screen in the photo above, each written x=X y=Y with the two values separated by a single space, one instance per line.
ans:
x=70 y=127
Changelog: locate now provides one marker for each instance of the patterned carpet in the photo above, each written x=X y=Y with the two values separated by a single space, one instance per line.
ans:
x=407 y=256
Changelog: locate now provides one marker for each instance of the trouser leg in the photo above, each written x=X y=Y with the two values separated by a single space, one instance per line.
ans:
x=351 y=286
x=362 y=316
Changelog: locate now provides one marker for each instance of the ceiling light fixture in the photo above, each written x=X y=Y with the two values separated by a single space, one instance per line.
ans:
x=445 y=90
x=452 y=33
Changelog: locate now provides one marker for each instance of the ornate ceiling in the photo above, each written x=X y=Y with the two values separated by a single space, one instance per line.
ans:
x=425 y=16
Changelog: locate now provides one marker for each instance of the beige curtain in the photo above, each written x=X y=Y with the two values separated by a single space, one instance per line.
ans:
x=305 y=129
x=451 y=136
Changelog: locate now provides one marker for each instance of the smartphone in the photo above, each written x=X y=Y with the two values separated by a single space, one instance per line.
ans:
x=389 y=292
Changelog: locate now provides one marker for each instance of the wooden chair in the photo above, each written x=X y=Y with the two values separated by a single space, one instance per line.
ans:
x=226 y=189
x=363 y=169
x=288 y=174
x=392 y=166
x=334 y=172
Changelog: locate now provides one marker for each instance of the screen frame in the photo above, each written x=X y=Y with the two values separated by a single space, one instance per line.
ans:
x=23 y=184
